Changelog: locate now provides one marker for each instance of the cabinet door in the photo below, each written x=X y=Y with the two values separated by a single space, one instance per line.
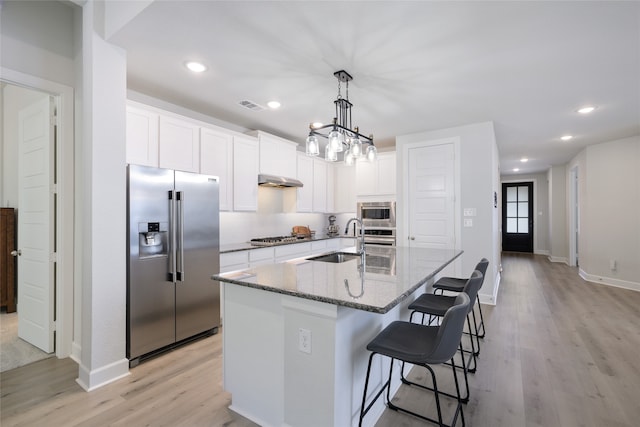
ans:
x=142 y=137
x=216 y=158
x=304 y=201
x=366 y=177
x=387 y=173
x=277 y=157
x=179 y=145
x=331 y=206
x=344 y=189
x=245 y=174
x=319 y=185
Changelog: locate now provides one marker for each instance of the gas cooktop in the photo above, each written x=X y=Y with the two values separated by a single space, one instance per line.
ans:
x=277 y=240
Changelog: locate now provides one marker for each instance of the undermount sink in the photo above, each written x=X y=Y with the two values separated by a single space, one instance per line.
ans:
x=336 y=257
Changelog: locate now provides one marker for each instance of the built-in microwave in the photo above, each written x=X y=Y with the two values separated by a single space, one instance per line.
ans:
x=379 y=221
x=377 y=214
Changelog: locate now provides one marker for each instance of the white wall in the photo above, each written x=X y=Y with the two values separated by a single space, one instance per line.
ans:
x=103 y=178
x=38 y=39
x=609 y=200
x=479 y=179
x=541 y=208
x=558 y=219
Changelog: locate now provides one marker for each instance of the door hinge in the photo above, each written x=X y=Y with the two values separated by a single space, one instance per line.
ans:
x=54 y=326
x=53 y=257
x=54 y=188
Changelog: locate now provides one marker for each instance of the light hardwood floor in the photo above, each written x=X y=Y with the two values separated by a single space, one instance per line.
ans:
x=558 y=352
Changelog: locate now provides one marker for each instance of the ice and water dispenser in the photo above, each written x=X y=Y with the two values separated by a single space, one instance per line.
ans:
x=153 y=239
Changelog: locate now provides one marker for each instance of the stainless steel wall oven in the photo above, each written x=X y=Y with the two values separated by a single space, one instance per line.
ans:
x=379 y=221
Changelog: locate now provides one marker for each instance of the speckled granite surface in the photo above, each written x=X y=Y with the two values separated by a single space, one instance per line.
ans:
x=344 y=284
x=235 y=247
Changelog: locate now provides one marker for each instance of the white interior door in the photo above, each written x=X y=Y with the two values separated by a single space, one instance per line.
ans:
x=432 y=196
x=35 y=233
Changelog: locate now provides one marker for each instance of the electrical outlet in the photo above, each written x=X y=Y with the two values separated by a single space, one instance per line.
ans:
x=468 y=222
x=304 y=340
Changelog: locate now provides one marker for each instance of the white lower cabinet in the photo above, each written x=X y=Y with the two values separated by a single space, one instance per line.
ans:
x=231 y=261
x=260 y=257
x=287 y=252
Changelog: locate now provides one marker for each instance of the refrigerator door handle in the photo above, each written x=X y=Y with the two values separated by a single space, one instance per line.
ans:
x=180 y=249
x=171 y=276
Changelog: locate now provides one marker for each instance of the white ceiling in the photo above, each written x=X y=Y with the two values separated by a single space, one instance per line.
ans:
x=417 y=66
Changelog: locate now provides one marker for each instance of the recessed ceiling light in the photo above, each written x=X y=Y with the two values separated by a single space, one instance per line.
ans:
x=586 y=110
x=196 y=67
x=516 y=169
x=524 y=160
x=566 y=137
x=273 y=104
x=317 y=125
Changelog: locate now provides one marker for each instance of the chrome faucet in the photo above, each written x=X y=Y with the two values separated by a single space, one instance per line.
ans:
x=346 y=230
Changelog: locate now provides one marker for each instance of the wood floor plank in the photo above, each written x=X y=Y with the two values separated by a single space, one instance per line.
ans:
x=558 y=351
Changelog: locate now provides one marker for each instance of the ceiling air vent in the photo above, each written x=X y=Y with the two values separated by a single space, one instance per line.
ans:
x=251 y=105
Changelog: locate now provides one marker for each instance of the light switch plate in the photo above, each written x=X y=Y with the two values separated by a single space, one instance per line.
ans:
x=469 y=212
x=468 y=222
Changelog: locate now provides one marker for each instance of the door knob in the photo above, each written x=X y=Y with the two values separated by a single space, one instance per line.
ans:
x=412 y=238
x=16 y=253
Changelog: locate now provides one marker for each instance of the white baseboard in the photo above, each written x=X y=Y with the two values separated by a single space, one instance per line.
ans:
x=559 y=259
x=541 y=252
x=91 y=380
x=609 y=281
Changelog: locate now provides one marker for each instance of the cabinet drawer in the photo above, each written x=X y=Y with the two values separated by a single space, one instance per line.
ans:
x=333 y=243
x=293 y=251
x=233 y=258
x=319 y=246
x=260 y=254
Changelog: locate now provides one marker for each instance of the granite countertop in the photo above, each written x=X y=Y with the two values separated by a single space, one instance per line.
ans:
x=245 y=246
x=344 y=284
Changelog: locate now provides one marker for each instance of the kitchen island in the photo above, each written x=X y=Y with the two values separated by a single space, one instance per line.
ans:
x=295 y=333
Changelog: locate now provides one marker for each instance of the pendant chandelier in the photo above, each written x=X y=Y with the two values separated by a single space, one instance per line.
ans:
x=340 y=135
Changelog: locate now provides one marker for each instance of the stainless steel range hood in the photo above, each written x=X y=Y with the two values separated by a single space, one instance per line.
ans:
x=277 y=181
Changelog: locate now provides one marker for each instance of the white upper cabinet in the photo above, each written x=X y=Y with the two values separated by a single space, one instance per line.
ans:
x=330 y=187
x=377 y=178
x=304 y=200
x=245 y=173
x=320 y=171
x=142 y=137
x=387 y=173
x=344 y=188
x=216 y=158
x=277 y=155
x=179 y=146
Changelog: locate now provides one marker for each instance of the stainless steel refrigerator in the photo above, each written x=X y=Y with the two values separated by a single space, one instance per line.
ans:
x=173 y=249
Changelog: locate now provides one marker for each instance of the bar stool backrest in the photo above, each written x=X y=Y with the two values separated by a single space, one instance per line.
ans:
x=472 y=287
x=450 y=330
x=482 y=267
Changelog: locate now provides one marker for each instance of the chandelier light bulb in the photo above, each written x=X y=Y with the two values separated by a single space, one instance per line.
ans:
x=330 y=155
x=313 y=148
x=356 y=147
x=349 y=158
x=372 y=153
x=335 y=141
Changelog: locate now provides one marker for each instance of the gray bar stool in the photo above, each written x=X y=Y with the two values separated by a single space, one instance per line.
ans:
x=437 y=306
x=455 y=284
x=421 y=345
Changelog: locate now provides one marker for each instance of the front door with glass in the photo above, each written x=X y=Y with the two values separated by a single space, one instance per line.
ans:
x=517 y=217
